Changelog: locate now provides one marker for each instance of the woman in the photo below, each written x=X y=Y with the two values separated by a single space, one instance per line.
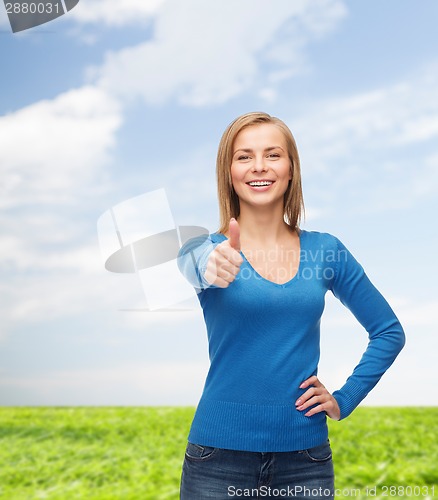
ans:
x=260 y=427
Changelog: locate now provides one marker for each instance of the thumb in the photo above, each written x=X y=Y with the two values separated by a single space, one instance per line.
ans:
x=234 y=231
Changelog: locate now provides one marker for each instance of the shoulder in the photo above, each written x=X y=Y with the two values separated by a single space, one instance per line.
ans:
x=328 y=248
x=217 y=237
x=319 y=239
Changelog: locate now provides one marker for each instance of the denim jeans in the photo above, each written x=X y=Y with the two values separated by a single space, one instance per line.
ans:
x=215 y=473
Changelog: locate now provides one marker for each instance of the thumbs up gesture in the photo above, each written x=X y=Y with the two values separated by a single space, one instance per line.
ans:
x=225 y=260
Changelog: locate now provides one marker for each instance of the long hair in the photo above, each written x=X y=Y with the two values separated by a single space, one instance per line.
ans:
x=229 y=205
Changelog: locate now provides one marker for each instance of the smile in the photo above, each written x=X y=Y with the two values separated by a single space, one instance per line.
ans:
x=260 y=183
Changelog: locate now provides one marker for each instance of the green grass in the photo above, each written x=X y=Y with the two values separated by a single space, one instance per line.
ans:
x=136 y=453
x=382 y=447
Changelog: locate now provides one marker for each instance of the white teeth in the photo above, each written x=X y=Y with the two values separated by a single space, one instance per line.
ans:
x=260 y=183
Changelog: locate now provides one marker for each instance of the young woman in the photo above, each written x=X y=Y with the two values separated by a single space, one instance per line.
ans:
x=260 y=427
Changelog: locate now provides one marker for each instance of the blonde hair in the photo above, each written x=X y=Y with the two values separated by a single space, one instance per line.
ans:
x=229 y=205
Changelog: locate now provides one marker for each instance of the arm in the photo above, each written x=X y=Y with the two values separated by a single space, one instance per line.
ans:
x=206 y=263
x=386 y=337
x=192 y=260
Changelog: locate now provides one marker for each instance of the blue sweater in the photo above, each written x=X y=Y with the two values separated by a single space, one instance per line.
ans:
x=264 y=342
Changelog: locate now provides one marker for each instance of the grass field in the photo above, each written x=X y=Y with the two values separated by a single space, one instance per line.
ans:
x=136 y=453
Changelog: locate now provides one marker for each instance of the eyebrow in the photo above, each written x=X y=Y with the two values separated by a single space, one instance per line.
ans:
x=246 y=150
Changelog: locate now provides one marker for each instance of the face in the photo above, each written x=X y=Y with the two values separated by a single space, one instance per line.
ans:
x=260 y=167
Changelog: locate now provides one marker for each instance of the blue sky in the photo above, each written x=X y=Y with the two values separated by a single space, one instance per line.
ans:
x=120 y=98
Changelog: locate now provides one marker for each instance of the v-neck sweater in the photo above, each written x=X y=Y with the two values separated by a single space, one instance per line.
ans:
x=264 y=341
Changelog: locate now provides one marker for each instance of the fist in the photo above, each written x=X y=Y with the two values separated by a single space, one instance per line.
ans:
x=225 y=260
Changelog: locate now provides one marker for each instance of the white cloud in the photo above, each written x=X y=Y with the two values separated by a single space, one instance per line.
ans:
x=109 y=13
x=414 y=315
x=115 y=12
x=72 y=286
x=51 y=166
x=167 y=383
x=343 y=340
x=368 y=141
x=209 y=52
x=50 y=149
x=396 y=116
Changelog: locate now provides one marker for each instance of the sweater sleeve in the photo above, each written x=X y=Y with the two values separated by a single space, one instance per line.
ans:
x=386 y=336
x=192 y=260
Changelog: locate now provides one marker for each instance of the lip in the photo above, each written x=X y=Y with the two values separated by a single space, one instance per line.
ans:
x=260 y=188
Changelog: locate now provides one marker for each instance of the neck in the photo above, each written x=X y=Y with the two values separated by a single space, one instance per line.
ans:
x=263 y=226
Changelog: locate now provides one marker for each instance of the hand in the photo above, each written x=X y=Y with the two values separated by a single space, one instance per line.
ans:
x=225 y=260
x=317 y=394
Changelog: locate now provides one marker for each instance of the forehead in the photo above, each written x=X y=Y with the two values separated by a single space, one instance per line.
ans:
x=260 y=136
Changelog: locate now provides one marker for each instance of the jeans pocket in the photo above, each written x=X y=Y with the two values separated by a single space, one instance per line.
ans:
x=321 y=453
x=196 y=452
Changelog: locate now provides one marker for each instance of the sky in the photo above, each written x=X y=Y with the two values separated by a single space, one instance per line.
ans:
x=121 y=98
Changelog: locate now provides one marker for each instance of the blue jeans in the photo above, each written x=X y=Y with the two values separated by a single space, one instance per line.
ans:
x=215 y=473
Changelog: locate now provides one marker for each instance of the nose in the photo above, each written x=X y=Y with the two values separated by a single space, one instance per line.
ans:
x=259 y=164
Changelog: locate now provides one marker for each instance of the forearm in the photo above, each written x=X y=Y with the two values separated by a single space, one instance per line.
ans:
x=192 y=261
x=386 y=336
x=382 y=350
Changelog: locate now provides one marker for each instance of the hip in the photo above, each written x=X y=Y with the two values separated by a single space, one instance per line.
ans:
x=217 y=473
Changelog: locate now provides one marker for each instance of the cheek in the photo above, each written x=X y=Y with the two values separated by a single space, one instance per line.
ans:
x=236 y=175
x=287 y=172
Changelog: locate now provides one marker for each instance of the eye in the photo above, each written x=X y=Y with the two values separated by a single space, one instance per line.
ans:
x=273 y=155
x=243 y=157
